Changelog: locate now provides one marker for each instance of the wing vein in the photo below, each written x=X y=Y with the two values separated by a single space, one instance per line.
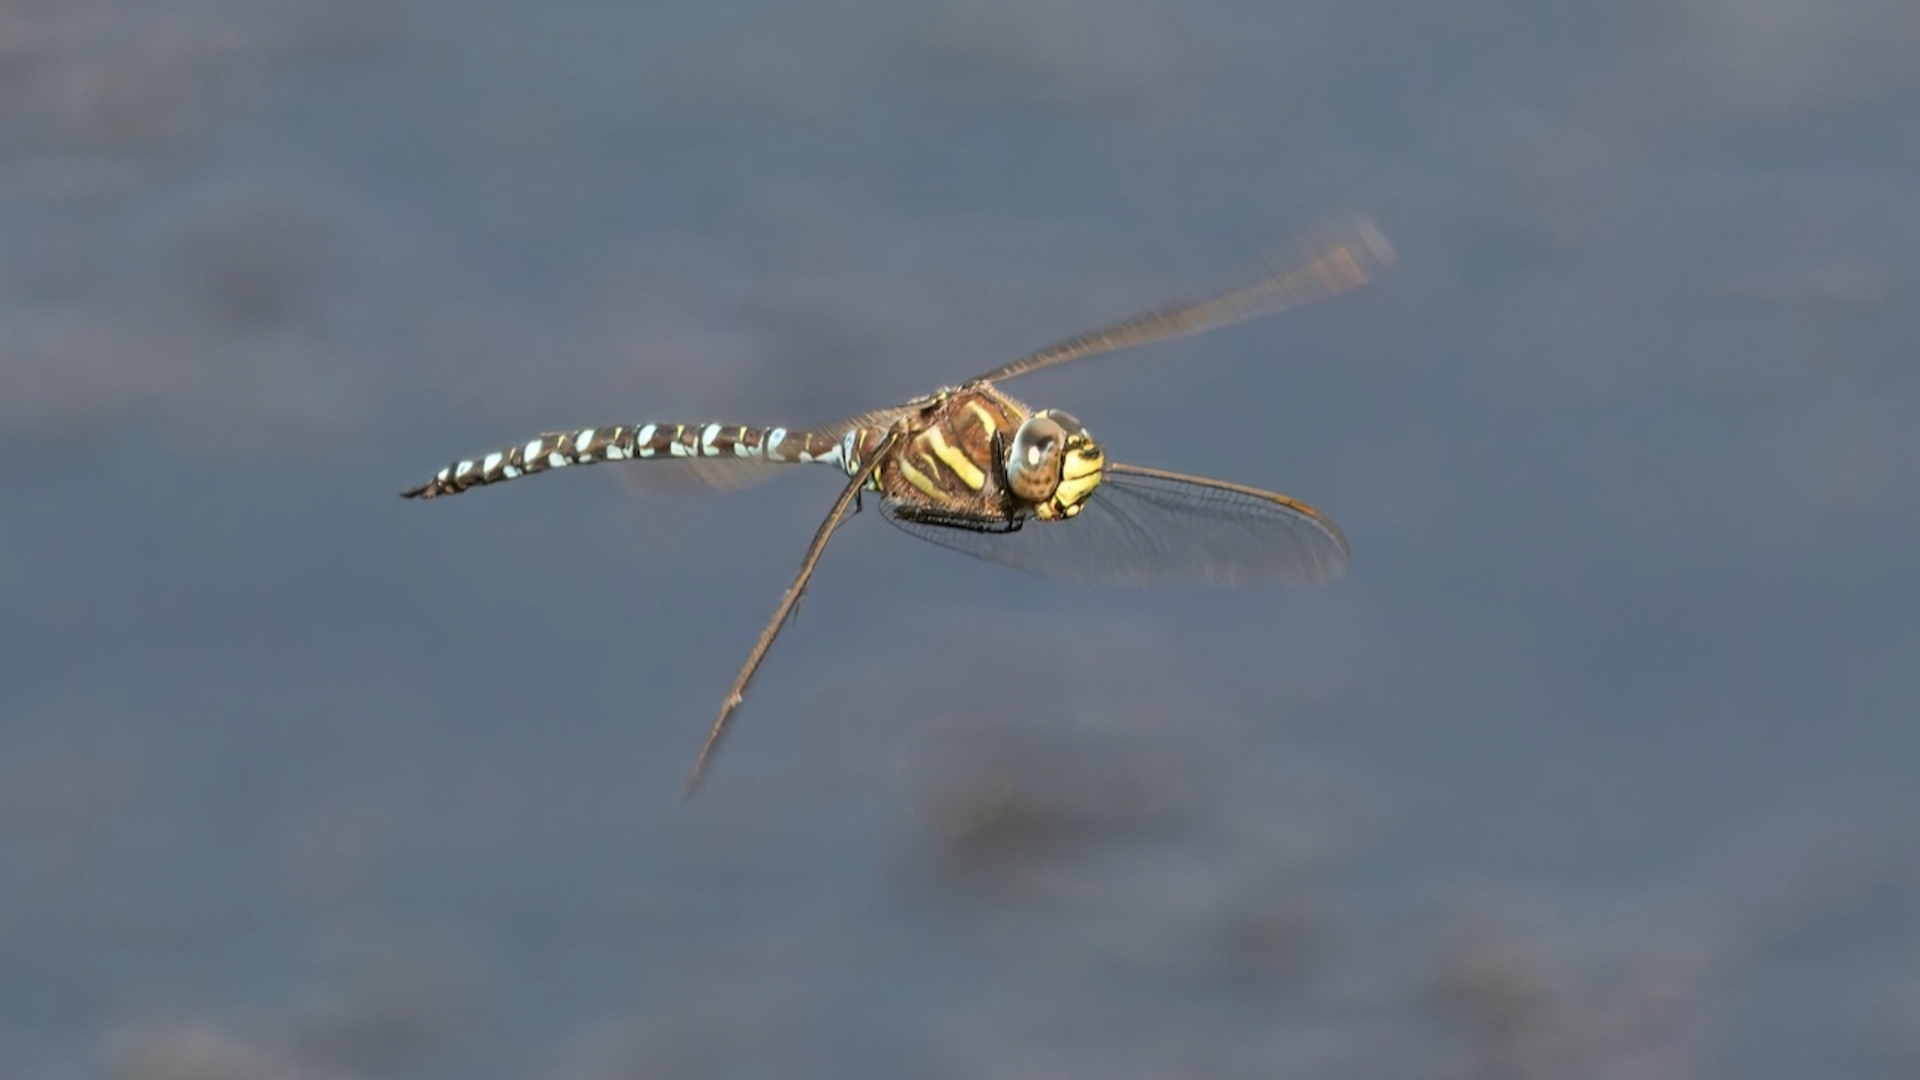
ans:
x=1326 y=263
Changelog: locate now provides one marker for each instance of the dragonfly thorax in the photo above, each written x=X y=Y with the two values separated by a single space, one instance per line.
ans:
x=1053 y=464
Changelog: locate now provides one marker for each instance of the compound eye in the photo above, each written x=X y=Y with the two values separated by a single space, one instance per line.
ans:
x=1038 y=450
x=1033 y=461
x=1065 y=421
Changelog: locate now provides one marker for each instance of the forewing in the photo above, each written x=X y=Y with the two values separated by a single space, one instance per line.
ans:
x=1326 y=262
x=1147 y=526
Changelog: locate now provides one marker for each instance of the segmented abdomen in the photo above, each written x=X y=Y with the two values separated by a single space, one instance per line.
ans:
x=590 y=445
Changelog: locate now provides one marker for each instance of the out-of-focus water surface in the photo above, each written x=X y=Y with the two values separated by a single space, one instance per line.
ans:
x=1599 y=764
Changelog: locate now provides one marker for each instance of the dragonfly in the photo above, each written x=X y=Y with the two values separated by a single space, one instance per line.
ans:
x=971 y=468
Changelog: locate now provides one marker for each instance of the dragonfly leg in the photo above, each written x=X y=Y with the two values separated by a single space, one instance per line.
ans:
x=954 y=519
x=788 y=602
x=1010 y=508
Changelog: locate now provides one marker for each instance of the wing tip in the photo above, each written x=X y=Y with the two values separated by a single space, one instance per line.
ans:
x=1375 y=242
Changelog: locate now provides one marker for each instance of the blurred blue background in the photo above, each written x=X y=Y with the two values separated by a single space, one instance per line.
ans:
x=1599 y=764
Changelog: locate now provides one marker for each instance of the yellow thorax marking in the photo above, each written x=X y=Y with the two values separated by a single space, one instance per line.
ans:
x=986 y=418
x=967 y=471
x=917 y=478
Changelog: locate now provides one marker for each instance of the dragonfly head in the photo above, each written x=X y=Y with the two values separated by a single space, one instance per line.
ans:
x=1053 y=464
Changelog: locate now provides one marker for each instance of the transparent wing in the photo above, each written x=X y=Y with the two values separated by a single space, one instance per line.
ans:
x=1148 y=526
x=696 y=474
x=676 y=475
x=1326 y=262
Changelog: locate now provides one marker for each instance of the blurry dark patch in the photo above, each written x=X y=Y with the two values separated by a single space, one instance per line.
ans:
x=382 y=1033
x=1274 y=929
x=1499 y=996
x=1523 y=1020
x=254 y=272
x=992 y=800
